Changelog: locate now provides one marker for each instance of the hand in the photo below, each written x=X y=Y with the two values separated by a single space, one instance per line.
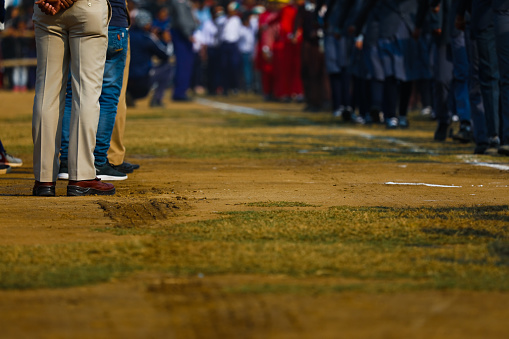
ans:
x=67 y=3
x=436 y=9
x=352 y=30
x=49 y=7
x=437 y=32
x=359 y=44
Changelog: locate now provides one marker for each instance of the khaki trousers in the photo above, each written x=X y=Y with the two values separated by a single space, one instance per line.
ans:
x=116 y=152
x=77 y=37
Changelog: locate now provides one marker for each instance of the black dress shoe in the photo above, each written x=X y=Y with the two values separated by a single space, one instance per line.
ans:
x=44 y=189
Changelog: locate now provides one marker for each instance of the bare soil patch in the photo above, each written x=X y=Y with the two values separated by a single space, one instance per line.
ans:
x=174 y=190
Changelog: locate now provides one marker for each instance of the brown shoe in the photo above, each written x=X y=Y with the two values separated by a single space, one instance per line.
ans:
x=44 y=189
x=89 y=187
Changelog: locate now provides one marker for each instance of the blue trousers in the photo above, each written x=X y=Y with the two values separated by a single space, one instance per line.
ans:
x=489 y=77
x=476 y=102
x=502 y=38
x=184 y=64
x=112 y=85
x=460 y=76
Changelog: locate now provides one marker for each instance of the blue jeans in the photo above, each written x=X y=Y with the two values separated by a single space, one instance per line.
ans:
x=111 y=87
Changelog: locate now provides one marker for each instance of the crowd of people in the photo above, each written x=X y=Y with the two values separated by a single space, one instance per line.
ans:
x=367 y=61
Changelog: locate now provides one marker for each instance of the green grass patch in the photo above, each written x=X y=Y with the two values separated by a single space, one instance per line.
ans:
x=382 y=249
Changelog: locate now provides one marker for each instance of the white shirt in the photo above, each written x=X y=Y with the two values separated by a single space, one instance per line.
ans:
x=247 y=40
x=231 y=30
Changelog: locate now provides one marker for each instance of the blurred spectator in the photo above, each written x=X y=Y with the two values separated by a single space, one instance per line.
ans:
x=183 y=25
x=230 y=54
x=142 y=73
x=246 y=48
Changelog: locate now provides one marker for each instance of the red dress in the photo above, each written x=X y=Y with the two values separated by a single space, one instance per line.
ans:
x=268 y=29
x=287 y=57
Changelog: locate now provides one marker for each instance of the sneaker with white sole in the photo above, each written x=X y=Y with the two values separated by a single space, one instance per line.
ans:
x=12 y=161
x=63 y=172
x=107 y=172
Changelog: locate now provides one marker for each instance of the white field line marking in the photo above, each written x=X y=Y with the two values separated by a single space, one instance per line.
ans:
x=420 y=184
x=399 y=142
x=413 y=147
x=232 y=108
x=468 y=159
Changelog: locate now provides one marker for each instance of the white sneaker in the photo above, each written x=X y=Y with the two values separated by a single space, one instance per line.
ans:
x=7 y=159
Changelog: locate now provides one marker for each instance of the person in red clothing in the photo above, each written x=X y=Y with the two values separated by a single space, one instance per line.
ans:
x=268 y=28
x=287 y=55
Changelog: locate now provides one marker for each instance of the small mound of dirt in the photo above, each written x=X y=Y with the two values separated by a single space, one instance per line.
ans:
x=142 y=212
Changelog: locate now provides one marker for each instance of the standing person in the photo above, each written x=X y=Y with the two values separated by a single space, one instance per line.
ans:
x=246 y=48
x=183 y=25
x=313 y=60
x=337 y=59
x=287 y=56
x=264 y=60
x=74 y=34
x=111 y=87
x=145 y=45
x=230 y=53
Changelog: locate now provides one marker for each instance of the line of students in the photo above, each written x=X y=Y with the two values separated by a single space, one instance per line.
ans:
x=456 y=51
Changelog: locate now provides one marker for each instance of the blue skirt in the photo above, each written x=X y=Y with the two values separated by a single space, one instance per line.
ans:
x=397 y=55
x=336 y=53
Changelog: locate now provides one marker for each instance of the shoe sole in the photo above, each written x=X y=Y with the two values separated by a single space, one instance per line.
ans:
x=5 y=170
x=111 y=177
x=63 y=176
x=44 y=192
x=76 y=191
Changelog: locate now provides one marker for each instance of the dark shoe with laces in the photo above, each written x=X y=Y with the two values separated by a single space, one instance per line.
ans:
x=107 y=172
x=44 y=189
x=89 y=187
x=465 y=133
x=126 y=167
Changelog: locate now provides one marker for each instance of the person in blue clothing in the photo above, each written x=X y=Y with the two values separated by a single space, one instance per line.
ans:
x=112 y=84
x=183 y=25
x=501 y=16
x=142 y=73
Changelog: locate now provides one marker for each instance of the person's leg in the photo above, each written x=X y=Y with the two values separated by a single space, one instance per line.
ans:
x=390 y=101
x=461 y=76
x=489 y=78
x=184 y=65
x=52 y=70
x=476 y=104
x=116 y=152
x=88 y=44
x=502 y=36
x=443 y=76
x=110 y=93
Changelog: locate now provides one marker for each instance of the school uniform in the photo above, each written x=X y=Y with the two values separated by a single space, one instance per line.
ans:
x=230 y=54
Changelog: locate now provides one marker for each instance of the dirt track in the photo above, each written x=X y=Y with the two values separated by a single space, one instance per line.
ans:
x=154 y=305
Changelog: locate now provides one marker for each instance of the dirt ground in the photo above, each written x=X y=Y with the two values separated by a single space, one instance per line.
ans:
x=153 y=305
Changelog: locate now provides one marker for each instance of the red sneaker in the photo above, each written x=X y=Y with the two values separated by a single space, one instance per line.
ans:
x=89 y=187
x=44 y=189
